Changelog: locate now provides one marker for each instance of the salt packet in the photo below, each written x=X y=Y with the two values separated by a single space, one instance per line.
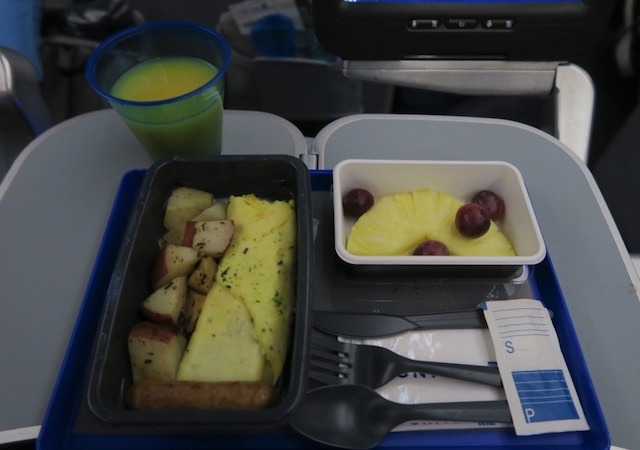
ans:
x=541 y=395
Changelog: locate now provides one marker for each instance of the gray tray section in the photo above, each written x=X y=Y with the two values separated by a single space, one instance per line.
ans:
x=592 y=266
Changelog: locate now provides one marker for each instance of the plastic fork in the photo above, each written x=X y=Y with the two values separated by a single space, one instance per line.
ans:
x=336 y=362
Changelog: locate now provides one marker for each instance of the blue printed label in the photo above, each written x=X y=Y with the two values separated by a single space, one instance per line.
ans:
x=541 y=395
x=544 y=395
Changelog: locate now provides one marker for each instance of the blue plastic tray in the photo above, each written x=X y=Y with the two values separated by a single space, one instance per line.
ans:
x=68 y=424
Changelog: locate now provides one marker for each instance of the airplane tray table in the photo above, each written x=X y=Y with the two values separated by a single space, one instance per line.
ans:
x=54 y=204
x=598 y=279
x=58 y=183
x=71 y=425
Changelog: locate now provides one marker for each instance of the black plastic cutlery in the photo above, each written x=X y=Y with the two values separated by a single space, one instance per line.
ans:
x=336 y=362
x=370 y=325
x=355 y=416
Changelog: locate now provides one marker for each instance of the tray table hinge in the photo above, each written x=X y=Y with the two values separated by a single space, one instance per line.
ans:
x=310 y=159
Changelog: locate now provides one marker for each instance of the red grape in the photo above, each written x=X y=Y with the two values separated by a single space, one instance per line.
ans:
x=357 y=202
x=472 y=220
x=433 y=247
x=491 y=202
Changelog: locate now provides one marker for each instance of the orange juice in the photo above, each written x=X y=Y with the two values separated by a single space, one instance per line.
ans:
x=163 y=78
x=186 y=125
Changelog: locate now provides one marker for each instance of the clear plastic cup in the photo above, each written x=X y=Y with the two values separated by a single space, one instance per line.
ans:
x=148 y=75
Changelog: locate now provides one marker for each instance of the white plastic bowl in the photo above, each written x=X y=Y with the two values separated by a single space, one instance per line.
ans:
x=460 y=179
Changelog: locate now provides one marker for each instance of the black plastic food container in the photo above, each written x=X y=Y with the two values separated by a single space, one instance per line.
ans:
x=275 y=177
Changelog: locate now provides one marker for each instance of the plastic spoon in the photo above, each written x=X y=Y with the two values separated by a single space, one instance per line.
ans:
x=354 y=416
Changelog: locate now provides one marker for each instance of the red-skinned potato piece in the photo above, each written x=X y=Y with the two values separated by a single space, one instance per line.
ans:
x=183 y=204
x=155 y=351
x=172 y=261
x=181 y=234
x=192 y=309
x=217 y=211
x=212 y=238
x=165 y=304
x=202 y=278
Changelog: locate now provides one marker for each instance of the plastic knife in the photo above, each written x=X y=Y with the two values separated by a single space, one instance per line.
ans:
x=371 y=325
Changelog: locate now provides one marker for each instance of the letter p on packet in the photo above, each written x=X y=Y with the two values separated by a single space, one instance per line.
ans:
x=541 y=395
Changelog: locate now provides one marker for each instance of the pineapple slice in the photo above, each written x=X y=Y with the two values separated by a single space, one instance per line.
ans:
x=398 y=223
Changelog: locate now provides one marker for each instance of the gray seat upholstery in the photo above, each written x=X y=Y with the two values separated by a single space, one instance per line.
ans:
x=19 y=88
x=23 y=113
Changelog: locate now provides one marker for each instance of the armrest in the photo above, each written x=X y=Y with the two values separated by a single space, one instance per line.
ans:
x=20 y=89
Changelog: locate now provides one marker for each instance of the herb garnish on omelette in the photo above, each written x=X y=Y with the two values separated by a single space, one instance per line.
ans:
x=258 y=269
